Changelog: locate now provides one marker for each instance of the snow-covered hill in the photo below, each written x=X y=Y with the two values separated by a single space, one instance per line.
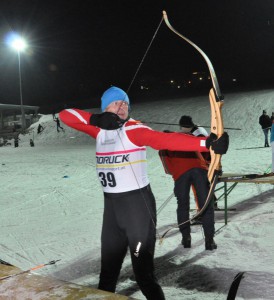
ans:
x=51 y=206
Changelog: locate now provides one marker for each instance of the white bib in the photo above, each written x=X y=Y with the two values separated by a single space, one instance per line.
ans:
x=121 y=165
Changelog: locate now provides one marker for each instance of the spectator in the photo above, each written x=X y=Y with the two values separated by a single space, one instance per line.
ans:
x=58 y=124
x=40 y=128
x=272 y=144
x=265 y=123
x=189 y=169
x=272 y=117
x=16 y=142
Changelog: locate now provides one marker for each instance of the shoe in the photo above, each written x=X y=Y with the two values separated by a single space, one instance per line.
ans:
x=210 y=243
x=186 y=241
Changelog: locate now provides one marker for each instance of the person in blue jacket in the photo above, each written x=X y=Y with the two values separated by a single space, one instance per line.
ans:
x=272 y=144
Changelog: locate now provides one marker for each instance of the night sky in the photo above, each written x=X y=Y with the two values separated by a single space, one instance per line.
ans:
x=78 y=48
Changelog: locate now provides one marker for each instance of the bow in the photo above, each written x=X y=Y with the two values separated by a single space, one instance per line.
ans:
x=217 y=127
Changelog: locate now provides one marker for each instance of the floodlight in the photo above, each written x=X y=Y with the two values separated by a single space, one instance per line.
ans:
x=19 y=44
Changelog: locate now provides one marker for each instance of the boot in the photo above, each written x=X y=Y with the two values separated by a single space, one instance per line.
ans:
x=210 y=243
x=186 y=241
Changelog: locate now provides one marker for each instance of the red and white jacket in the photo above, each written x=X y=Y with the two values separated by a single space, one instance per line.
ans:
x=177 y=163
x=121 y=154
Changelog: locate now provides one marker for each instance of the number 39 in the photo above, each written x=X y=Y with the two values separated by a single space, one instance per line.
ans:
x=107 y=179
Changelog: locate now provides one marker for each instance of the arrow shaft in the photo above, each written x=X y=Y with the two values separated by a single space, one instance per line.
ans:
x=29 y=270
x=162 y=123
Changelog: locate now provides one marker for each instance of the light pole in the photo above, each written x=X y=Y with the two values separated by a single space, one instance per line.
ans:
x=20 y=45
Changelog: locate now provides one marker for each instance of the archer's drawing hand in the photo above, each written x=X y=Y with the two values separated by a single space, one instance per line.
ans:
x=218 y=145
x=106 y=120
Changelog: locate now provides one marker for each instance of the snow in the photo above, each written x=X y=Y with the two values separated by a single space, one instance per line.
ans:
x=52 y=204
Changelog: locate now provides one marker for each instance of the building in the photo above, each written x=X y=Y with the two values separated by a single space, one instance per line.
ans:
x=11 y=118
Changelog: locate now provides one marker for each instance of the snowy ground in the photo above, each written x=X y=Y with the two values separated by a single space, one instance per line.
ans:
x=51 y=206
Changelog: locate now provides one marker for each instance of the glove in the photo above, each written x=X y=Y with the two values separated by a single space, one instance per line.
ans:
x=212 y=137
x=218 y=145
x=106 y=120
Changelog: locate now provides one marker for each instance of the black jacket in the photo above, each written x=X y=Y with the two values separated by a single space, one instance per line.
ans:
x=265 y=121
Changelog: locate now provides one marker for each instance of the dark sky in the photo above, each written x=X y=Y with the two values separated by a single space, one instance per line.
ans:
x=78 y=48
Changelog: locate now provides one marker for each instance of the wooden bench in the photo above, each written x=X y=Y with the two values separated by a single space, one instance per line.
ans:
x=38 y=287
x=234 y=179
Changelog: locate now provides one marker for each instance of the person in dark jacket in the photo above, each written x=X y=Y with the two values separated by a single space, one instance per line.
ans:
x=40 y=128
x=16 y=141
x=58 y=124
x=265 y=123
x=189 y=169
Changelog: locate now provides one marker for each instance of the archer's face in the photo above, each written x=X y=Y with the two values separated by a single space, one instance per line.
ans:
x=119 y=108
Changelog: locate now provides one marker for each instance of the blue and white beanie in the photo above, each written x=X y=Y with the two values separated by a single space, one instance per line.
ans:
x=111 y=95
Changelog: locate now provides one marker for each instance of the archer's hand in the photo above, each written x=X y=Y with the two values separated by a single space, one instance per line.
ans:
x=106 y=120
x=218 y=145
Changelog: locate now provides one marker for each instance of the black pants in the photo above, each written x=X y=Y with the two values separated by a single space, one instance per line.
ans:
x=197 y=177
x=127 y=221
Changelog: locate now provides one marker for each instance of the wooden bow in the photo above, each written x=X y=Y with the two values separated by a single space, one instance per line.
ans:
x=217 y=127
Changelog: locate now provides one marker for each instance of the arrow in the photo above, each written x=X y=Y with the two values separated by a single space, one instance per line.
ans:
x=162 y=123
x=31 y=269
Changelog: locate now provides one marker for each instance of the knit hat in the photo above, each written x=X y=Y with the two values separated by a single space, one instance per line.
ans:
x=264 y=111
x=111 y=95
x=186 y=121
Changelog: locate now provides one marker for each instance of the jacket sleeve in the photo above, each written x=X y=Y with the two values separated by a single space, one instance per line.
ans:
x=145 y=136
x=272 y=133
x=79 y=120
